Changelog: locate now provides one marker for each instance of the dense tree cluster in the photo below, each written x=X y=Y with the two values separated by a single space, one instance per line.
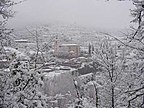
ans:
x=19 y=85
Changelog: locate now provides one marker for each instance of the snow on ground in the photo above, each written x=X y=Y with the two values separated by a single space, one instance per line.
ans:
x=89 y=75
x=94 y=82
x=56 y=73
x=19 y=54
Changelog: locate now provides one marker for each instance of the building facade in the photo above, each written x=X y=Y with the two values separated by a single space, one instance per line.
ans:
x=66 y=50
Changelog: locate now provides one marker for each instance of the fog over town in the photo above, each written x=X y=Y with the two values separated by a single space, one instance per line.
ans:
x=71 y=53
x=94 y=13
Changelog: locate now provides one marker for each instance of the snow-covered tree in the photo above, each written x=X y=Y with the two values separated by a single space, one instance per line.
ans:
x=6 y=12
x=22 y=87
x=136 y=59
x=108 y=59
x=82 y=100
x=42 y=51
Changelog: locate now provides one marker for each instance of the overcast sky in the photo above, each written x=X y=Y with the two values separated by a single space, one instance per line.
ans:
x=96 y=13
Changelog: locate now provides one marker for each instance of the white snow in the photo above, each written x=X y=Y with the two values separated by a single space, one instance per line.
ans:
x=18 y=53
x=21 y=40
x=94 y=82
x=51 y=74
x=69 y=45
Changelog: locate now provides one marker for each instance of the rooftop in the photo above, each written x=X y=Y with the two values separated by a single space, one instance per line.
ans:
x=21 y=40
x=69 y=45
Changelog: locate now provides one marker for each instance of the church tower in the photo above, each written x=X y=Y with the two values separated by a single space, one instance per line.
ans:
x=56 y=47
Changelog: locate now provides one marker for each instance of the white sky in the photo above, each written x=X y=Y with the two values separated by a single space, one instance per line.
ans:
x=96 y=13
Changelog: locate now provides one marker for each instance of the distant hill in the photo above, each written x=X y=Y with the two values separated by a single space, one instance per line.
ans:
x=70 y=33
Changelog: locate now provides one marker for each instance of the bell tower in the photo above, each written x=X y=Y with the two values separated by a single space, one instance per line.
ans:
x=56 y=47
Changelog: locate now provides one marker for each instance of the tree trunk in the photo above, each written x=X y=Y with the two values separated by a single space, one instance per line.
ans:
x=96 y=95
x=113 y=106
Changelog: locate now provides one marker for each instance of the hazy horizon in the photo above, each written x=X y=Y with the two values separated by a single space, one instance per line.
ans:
x=92 y=13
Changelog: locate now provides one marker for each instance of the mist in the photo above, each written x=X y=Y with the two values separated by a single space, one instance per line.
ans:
x=95 y=13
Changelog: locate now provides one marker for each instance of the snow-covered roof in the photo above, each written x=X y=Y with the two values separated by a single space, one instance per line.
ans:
x=3 y=60
x=34 y=52
x=21 y=40
x=52 y=74
x=86 y=75
x=69 y=45
x=94 y=82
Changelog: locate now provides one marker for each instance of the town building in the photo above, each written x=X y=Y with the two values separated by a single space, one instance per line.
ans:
x=66 y=50
x=21 y=41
